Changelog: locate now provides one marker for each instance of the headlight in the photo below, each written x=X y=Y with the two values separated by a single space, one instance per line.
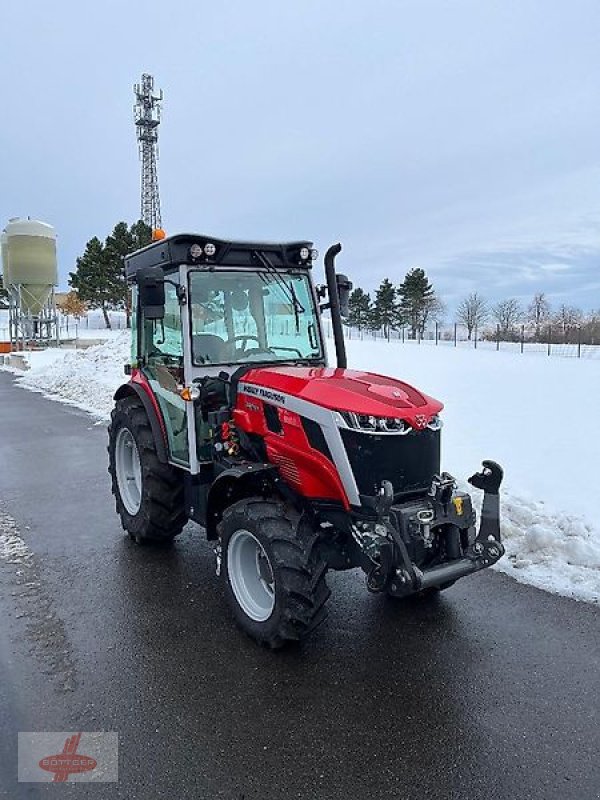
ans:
x=373 y=424
x=435 y=423
x=368 y=423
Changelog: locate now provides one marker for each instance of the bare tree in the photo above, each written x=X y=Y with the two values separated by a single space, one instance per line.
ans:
x=567 y=317
x=591 y=327
x=472 y=312
x=434 y=310
x=507 y=314
x=538 y=312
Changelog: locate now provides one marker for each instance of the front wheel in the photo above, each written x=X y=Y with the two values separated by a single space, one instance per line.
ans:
x=273 y=575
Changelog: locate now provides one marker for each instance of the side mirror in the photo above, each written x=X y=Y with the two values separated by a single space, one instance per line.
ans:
x=151 y=285
x=344 y=287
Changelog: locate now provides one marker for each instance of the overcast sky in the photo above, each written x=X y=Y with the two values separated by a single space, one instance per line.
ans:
x=459 y=136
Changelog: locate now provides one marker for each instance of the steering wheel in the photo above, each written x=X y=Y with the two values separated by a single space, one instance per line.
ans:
x=245 y=337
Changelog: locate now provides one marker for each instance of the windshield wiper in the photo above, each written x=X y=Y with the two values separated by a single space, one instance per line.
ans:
x=289 y=291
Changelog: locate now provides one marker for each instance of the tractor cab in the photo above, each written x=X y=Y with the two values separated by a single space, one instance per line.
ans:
x=207 y=308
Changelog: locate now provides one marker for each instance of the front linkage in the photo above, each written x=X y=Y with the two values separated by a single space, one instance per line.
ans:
x=395 y=572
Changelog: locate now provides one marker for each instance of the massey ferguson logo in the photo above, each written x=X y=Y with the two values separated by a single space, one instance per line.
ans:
x=260 y=391
x=420 y=421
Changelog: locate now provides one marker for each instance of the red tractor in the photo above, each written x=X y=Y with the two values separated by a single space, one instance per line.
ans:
x=232 y=418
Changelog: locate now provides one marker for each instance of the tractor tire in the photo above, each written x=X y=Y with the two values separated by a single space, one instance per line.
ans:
x=273 y=575
x=148 y=494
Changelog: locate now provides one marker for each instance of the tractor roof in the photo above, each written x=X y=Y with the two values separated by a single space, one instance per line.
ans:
x=175 y=250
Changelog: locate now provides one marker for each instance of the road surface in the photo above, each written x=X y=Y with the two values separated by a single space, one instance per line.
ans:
x=492 y=692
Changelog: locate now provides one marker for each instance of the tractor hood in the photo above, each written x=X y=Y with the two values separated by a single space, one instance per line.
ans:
x=345 y=390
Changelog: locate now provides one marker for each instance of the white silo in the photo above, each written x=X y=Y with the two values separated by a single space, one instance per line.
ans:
x=32 y=274
x=4 y=256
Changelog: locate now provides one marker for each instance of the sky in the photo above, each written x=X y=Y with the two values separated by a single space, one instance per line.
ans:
x=460 y=136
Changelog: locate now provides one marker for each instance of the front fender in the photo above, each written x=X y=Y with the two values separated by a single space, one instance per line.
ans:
x=233 y=484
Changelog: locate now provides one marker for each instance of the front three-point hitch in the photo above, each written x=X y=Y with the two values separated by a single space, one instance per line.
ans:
x=444 y=519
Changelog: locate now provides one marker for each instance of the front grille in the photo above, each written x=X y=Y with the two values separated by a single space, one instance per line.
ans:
x=408 y=462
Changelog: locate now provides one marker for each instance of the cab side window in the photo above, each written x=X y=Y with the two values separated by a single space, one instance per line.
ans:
x=163 y=352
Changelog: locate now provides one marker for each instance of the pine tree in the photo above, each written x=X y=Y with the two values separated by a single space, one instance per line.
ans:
x=416 y=294
x=94 y=278
x=386 y=314
x=360 y=309
x=99 y=275
x=121 y=242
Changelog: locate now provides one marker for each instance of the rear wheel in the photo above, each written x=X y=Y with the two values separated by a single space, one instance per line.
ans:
x=273 y=575
x=148 y=494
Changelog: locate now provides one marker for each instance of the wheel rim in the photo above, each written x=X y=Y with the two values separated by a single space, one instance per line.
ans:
x=251 y=576
x=129 y=471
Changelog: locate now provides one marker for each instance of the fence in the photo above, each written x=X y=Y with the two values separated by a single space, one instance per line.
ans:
x=555 y=342
x=90 y=326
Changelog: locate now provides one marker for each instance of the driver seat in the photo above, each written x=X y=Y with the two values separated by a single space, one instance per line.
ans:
x=209 y=348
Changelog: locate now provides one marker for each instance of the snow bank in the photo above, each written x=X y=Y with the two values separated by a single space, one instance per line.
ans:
x=556 y=551
x=538 y=418
x=85 y=378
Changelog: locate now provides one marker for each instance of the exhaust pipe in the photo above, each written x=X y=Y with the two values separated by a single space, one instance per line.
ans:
x=334 y=305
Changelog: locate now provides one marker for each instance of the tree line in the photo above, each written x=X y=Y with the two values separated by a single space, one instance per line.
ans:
x=414 y=304
x=98 y=281
x=540 y=321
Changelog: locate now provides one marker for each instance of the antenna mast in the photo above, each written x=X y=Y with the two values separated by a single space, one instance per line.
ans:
x=146 y=112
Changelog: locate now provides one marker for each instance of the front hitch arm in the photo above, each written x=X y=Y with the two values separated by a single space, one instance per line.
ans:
x=487 y=547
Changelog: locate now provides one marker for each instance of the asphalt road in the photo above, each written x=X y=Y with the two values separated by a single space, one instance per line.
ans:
x=492 y=692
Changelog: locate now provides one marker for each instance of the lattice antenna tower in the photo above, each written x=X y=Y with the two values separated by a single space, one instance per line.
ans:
x=146 y=112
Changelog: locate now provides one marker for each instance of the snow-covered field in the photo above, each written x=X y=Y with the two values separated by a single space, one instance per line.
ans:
x=537 y=417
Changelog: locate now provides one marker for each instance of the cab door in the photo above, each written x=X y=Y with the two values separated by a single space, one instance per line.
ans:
x=162 y=350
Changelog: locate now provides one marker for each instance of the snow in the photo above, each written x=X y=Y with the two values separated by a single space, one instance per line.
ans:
x=84 y=378
x=12 y=547
x=537 y=417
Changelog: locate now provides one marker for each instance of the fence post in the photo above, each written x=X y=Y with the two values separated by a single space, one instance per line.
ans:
x=579 y=341
x=522 y=337
x=475 y=339
x=455 y=334
x=497 y=337
x=436 y=333
x=549 y=338
x=403 y=334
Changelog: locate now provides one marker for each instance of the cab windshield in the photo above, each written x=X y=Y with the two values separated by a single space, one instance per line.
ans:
x=240 y=317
